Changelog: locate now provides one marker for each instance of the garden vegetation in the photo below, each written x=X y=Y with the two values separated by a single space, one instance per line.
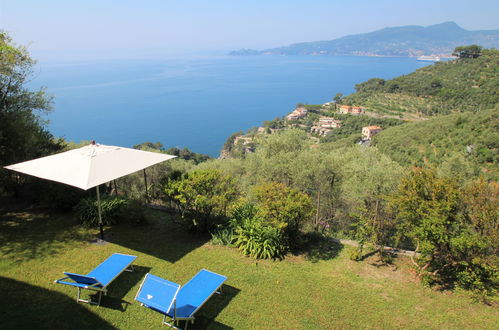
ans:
x=426 y=186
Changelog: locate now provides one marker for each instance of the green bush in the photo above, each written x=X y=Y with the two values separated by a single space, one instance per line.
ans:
x=56 y=195
x=222 y=236
x=256 y=238
x=478 y=277
x=260 y=241
x=283 y=208
x=455 y=230
x=356 y=255
x=112 y=209
x=134 y=212
x=202 y=196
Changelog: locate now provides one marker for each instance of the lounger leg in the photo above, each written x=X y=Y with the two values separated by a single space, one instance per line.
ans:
x=219 y=291
x=172 y=325
x=89 y=301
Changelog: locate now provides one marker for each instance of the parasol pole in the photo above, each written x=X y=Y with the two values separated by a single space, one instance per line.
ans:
x=100 y=214
x=145 y=183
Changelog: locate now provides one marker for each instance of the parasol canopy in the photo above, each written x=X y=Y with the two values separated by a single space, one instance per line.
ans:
x=90 y=166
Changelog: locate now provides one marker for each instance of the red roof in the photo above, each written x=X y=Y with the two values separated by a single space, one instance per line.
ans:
x=372 y=127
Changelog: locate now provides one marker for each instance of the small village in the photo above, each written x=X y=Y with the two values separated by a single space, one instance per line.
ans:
x=327 y=124
x=320 y=127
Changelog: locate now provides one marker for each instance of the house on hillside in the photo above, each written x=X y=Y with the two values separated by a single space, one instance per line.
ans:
x=244 y=144
x=369 y=131
x=329 y=122
x=242 y=139
x=297 y=113
x=320 y=130
x=351 y=110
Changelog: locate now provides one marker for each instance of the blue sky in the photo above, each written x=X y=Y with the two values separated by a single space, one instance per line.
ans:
x=187 y=25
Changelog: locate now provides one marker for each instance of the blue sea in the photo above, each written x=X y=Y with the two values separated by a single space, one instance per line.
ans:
x=197 y=102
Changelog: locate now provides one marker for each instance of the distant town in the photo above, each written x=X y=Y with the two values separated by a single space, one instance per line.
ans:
x=311 y=118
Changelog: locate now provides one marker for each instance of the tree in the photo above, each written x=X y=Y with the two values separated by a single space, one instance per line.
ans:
x=482 y=200
x=472 y=51
x=23 y=133
x=147 y=146
x=202 y=194
x=372 y=85
x=427 y=207
x=282 y=207
x=477 y=247
x=455 y=232
x=337 y=98
x=369 y=177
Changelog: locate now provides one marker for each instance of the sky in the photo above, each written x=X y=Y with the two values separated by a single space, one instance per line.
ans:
x=138 y=27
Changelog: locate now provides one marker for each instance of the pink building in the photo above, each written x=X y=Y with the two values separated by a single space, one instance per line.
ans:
x=328 y=122
x=297 y=113
x=369 y=131
x=351 y=110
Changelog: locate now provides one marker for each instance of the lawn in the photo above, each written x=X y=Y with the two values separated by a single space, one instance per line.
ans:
x=320 y=288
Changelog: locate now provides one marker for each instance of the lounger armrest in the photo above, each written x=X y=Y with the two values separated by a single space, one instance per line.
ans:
x=79 y=285
x=84 y=279
x=60 y=280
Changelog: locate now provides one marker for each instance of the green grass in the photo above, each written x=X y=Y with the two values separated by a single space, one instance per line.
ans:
x=318 y=289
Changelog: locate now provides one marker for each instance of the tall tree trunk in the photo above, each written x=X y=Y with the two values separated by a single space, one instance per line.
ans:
x=317 y=213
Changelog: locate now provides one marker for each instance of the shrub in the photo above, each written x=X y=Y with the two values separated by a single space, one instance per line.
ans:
x=479 y=277
x=356 y=255
x=134 y=212
x=203 y=195
x=222 y=236
x=455 y=231
x=283 y=208
x=112 y=209
x=260 y=241
x=52 y=195
x=255 y=237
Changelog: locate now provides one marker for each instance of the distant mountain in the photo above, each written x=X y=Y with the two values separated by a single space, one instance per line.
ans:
x=409 y=40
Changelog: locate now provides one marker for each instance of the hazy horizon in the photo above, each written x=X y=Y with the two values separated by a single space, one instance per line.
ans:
x=56 y=29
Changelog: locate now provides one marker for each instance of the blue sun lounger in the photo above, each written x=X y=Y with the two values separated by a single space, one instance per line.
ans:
x=99 y=278
x=179 y=302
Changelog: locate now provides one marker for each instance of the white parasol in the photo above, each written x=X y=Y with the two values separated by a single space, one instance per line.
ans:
x=90 y=166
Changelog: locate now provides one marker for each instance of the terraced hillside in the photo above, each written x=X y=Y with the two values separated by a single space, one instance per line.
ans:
x=406 y=107
x=471 y=136
x=467 y=84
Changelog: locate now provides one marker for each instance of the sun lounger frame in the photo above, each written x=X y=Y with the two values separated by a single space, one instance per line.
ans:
x=170 y=318
x=94 y=284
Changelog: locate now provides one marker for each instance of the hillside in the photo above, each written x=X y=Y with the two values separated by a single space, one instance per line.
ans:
x=443 y=111
x=393 y=41
x=471 y=136
x=445 y=87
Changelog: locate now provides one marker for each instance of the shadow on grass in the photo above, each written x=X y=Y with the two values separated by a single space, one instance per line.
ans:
x=318 y=247
x=205 y=317
x=25 y=306
x=161 y=237
x=36 y=233
x=380 y=261
x=120 y=287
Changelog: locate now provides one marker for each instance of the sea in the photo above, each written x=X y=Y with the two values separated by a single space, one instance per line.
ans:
x=195 y=102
